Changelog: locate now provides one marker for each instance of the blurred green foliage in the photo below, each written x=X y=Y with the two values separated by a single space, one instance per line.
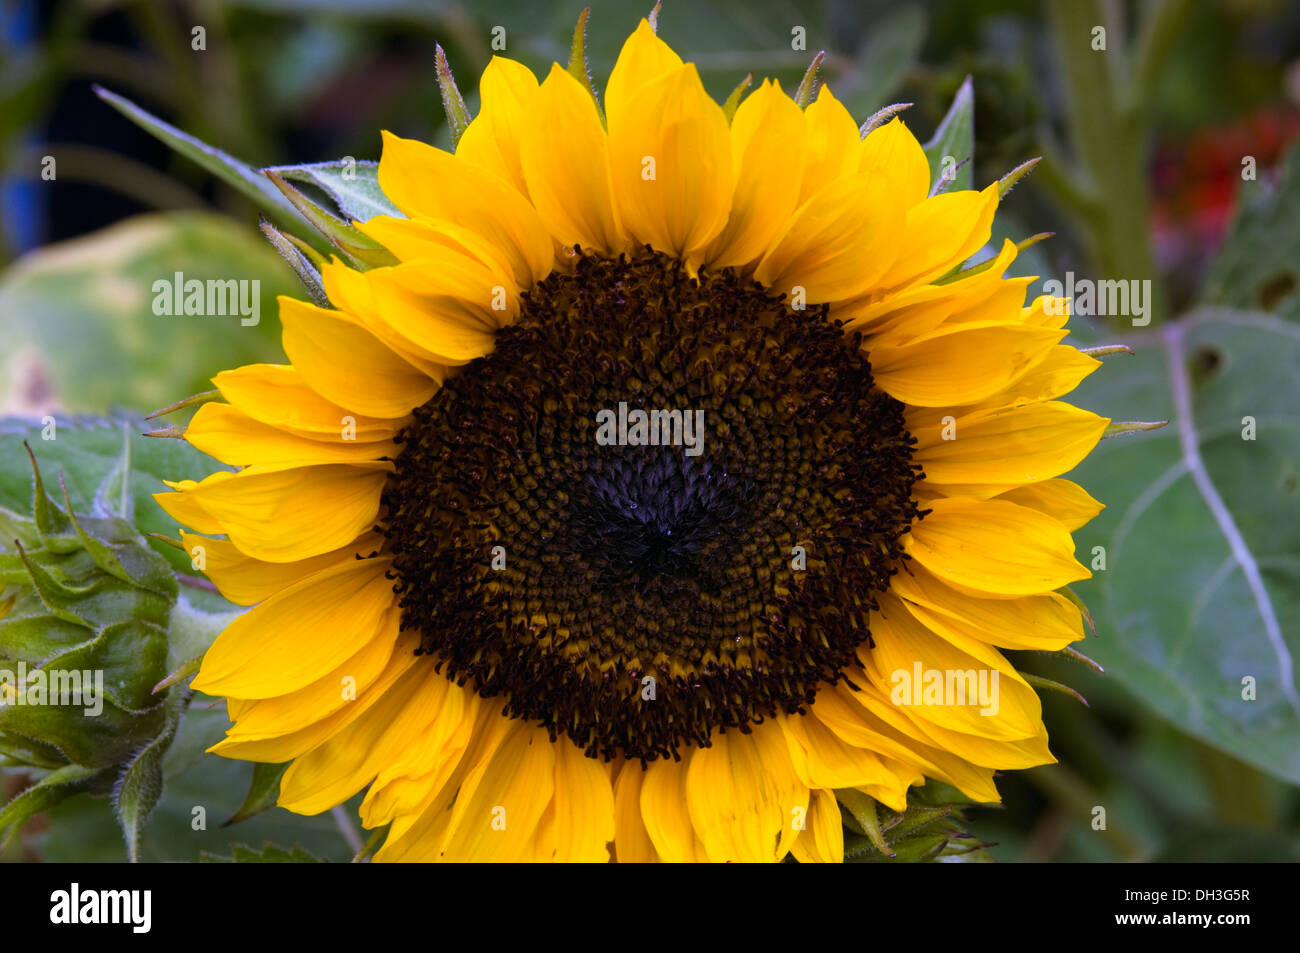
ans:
x=1143 y=144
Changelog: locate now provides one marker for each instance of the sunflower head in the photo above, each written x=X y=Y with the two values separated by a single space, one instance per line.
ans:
x=669 y=496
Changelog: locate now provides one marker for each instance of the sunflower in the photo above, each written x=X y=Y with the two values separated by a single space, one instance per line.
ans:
x=613 y=520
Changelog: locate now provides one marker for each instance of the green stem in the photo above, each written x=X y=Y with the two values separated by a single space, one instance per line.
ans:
x=1161 y=24
x=1109 y=137
x=1078 y=797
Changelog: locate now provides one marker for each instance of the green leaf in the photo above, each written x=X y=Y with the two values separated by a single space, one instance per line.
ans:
x=262 y=792
x=353 y=186
x=50 y=790
x=85 y=310
x=268 y=853
x=954 y=139
x=1257 y=268
x=87 y=449
x=201 y=790
x=226 y=167
x=891 y=46
x=1202 y=582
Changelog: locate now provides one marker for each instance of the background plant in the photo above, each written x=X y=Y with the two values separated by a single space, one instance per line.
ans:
x=1144 y=142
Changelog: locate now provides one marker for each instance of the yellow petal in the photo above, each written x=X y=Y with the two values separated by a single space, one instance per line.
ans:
x=663 y=810
x=300 y=634
x=507 y=93
x=566 y=164
x=584 y=806
x=421 y=835
x=1048 y=311
x=670 y=165
x=411 y=240
x=734 y=804
x=277 y=395
x=348 y=365
x=1067 y=503
x=245 y=580
x=975 y=781
x=822 y=841
x=446 y=307
x=767 y=148
x=910 y=312
x=231 y=436
x=502 y=800
x=823 y=760
x=1058 y=373
x=1004 y=447
x=186 y=507
x=837 y=244
x=1045 y=622
x=644 y=57
x=429 y=183
x=331 y=773
x=832 y=145
x=366 y=299
x=285 y=714
x=632 y=843
x=940 y=233
x=892 y=152
x=271 y=745
x=960 y=366
x=282 y=515
x=994 y=547
x=960 y=684
x=408 y=781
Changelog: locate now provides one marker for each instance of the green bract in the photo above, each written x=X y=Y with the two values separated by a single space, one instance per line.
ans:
x=85 y=606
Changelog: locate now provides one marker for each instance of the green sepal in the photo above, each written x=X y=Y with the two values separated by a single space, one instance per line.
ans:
x=579 y=68
x=140 y=786
x=453 y=103
x=308 y=272
x=49 y=791
x=268 y=854
x=803 y=95
x=928 y=830
x=351 y=184
x=263 y=791
x=359 y=249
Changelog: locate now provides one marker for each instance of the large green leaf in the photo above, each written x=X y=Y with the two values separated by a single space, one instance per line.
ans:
x=1202 y=534
x=1201 y=591
x=82 y=312
x=888 y=50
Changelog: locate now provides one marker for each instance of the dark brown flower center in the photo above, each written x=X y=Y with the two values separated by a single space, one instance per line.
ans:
x=661 y=506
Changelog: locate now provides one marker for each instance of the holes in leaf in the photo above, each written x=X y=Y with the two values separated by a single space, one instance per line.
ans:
x=1272 y=292
x=1205 y=362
